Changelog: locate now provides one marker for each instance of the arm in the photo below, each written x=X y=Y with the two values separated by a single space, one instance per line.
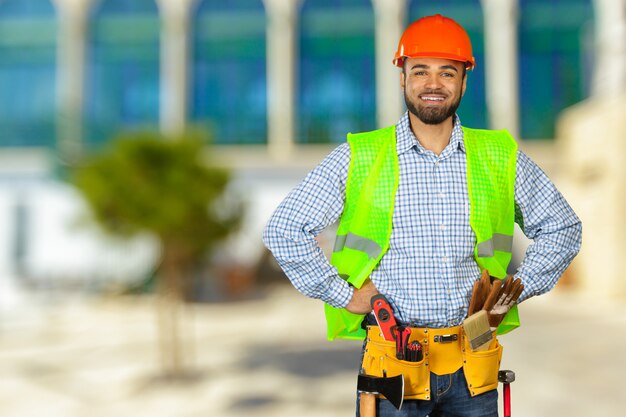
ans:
x=290 y=234
x=545 y=217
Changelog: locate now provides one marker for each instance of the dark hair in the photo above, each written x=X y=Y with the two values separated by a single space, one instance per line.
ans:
x=404 y=69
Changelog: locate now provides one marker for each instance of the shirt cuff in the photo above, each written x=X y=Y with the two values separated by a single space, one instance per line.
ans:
x=527 y=292
x=339 y=292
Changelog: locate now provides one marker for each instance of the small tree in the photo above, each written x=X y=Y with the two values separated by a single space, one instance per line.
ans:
x=145 y=182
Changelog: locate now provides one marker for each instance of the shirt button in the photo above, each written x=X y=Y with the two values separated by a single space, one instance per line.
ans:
x=441 y=196
x=442 y=227
x=444 y=258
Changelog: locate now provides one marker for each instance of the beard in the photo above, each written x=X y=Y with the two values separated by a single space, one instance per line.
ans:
x=432 y=115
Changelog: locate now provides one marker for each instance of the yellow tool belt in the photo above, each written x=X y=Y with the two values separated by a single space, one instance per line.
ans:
x=440 y=358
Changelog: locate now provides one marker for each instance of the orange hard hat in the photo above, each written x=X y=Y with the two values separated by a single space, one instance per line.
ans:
x=435 y=37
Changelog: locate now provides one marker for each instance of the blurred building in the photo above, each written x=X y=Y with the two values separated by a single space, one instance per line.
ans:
x=278 y=83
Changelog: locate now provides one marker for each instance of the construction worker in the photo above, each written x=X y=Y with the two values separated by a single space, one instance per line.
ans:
x=425 y=208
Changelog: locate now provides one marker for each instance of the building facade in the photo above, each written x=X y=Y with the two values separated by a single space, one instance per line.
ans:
x=274 y=72
x=278 y=83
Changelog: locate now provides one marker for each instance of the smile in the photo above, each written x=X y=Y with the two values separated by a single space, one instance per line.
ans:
x=432 y=98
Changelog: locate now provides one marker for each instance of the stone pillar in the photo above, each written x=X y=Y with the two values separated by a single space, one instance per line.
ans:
x=71 y=51
x=609 y=79
x=390 y=20
x=281 y=75
x=501 y=64
x=175 y=59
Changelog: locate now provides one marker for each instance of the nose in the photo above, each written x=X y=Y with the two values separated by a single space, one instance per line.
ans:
x=433 y=82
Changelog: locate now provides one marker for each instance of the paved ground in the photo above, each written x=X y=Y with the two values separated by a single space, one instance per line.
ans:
x=71 y=356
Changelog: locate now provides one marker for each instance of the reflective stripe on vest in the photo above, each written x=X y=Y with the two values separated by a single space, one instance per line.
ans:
x=363 y=244
x=365 y=228
x=498 y=242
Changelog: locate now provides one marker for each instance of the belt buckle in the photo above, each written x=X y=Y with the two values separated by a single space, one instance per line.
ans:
x=446 y=338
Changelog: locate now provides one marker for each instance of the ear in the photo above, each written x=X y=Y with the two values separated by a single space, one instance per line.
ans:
x=464 y=86
x=402 y=80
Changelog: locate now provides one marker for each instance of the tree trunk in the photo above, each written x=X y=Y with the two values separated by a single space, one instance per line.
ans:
x=170 y=309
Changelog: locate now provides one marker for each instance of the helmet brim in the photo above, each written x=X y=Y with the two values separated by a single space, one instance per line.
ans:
x=398 y=61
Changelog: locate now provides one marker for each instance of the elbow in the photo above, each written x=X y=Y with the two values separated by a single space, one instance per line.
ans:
x=269 y=234
x=275 y=234
x=578 y=236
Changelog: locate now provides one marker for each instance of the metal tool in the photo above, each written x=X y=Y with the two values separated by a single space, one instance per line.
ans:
x=414 y=352
x=506 y=377
x=392 y=388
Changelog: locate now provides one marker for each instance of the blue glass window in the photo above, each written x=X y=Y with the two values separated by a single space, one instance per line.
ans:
x=28 y=32
x=553 y=76
x=122 y=89
x=337 y=85
x=473 y=109
x=229 y=95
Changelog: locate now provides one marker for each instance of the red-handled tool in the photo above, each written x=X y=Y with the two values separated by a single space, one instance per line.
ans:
x=506 y=377
x=384 y=316
x=401 y=334
x=388 y=325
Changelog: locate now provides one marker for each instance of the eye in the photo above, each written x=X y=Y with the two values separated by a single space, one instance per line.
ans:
x=448 y=74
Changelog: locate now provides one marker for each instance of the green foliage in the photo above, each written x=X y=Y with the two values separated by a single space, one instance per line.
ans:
x=145 y=182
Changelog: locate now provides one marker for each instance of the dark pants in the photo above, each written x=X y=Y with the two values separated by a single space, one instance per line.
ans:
x=450 y=398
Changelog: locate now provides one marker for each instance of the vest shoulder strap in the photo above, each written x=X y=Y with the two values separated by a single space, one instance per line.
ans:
x=489 y=141
x=366 y=147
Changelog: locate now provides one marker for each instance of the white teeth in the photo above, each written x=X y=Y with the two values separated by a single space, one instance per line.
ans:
x=433 y=98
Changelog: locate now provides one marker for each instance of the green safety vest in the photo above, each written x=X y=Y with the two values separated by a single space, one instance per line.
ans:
x=366 y=223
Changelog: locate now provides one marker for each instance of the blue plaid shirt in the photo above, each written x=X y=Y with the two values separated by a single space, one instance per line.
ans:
x=429 y=270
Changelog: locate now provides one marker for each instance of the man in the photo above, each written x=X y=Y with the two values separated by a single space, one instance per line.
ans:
x=426 y=207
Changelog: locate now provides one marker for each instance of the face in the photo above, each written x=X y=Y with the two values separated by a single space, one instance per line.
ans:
x=433 y=88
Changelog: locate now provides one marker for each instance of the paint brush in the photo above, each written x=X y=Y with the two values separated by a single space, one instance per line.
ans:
x=477 y=331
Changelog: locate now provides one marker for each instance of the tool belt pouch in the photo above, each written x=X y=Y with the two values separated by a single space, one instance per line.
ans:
x=379 y=359
x=481 y=368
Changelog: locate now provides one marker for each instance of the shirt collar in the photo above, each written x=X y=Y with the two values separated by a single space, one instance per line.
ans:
x=407 y=140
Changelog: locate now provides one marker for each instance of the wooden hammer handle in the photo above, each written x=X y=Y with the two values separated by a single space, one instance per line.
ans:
x=367 y=406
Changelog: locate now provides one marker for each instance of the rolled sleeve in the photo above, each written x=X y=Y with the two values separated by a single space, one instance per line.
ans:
x=545 y=217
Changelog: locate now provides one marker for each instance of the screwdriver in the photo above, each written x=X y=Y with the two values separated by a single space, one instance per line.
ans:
x=413 y=352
